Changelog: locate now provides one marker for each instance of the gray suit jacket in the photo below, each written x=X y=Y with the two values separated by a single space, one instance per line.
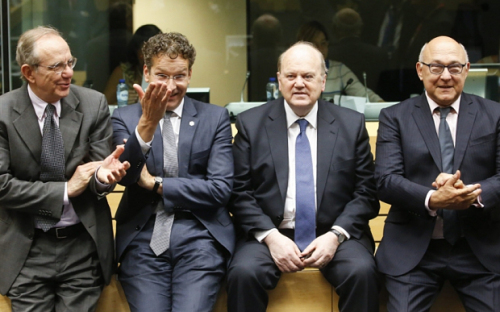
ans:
x=86 y=131
x=205 y=176
x=345 y=191
x=408 y=161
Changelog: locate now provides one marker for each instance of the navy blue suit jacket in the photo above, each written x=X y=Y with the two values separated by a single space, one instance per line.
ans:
x=346 y=194
x=408 y=161
x=205 y=178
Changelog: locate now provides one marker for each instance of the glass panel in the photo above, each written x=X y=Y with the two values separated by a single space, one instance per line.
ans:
x=379 y=41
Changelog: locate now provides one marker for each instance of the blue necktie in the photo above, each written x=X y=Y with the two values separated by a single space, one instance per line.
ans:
x=305 y=214
x=451 y=229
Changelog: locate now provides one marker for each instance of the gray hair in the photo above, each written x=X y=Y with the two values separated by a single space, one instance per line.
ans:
x=25 y=51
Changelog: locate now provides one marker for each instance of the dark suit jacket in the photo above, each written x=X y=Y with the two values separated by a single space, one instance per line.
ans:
x=408 y=161
x=346 y=193
x=87 y=132
x=205 y=172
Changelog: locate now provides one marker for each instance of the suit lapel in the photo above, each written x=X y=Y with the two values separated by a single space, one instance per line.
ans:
x=70 y=122
x=425 y=123
x=189 y=123
x=277 y=134
x=327 y=138
x=27 y=124
x=466 y=118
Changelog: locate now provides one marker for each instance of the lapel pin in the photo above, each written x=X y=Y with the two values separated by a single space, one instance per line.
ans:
x=191 y=123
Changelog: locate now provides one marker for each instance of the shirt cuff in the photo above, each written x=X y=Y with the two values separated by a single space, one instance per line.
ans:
x=145 y=146
x=432 y=213
x=261 y=235
x=100 y=186
x=66 y=198
x=341 y=230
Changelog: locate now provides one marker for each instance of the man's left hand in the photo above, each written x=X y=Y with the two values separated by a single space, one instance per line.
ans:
x=112 y=170
x=321 y=250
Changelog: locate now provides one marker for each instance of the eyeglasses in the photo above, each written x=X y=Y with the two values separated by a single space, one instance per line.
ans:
x=438 y=69
x=58 y=68
x=176 y=78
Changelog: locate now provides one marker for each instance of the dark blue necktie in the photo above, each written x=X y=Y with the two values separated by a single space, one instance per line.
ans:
x=451 y=228
x=305 y=213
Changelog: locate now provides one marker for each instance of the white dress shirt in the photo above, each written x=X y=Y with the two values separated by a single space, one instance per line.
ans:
x=312 y=135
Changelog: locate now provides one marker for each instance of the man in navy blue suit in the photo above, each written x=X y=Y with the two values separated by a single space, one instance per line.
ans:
x=438 y=165
x=303 y=205
x=173 y=234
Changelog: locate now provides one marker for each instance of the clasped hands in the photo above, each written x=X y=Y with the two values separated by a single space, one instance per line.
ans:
x=289 y=258
x=452 y=194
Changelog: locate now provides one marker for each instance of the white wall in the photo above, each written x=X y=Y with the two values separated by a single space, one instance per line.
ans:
x=207 y=24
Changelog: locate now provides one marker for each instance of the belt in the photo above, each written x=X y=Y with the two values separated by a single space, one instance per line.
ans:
x=184 y=215
x=63 y=232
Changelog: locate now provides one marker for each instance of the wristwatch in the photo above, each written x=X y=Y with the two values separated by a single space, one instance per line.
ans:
x=341 y=237
x=158 y=181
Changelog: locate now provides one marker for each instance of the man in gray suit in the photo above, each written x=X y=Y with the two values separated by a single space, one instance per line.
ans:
x=55 y=224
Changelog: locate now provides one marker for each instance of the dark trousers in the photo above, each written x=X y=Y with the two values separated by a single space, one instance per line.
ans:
x=185 y=278
x=477 y=287
x=252 y=272
x=58 y=275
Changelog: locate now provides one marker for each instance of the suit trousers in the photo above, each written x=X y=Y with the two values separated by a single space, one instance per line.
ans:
x=252 y=272
x=477 y=287
x=185 y=278
x=58 y=275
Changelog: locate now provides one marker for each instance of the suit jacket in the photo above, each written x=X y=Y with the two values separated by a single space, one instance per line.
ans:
x=87 y=134
x=408 y=161
x=345 y=191
x=205 y=175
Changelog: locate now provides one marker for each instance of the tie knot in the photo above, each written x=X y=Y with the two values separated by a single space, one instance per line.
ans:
x=168 y=114
x=302 y=124
x=49 y=109
x=444 y=111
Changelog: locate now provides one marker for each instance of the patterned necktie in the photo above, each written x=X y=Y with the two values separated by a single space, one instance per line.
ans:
x=52 y=165
x=451 y=229
x=305 y=212
x=160 y=240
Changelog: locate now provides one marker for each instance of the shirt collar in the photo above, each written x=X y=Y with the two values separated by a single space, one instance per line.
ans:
x=311 y=117
x=178 y=110
x=433 y=105
x=39 y=105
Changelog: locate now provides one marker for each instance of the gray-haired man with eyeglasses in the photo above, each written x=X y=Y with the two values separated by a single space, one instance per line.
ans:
x=56 y=236
x=438 y=165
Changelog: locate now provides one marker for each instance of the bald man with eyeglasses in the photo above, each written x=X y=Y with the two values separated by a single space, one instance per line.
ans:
x=438 y=166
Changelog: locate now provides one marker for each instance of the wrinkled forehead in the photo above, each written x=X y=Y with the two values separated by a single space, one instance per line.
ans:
x=444 y=52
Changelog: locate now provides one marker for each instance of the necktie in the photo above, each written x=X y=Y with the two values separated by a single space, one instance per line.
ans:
x=160 y=240
x=52 y=164
x=451 y=229
x=305 y=213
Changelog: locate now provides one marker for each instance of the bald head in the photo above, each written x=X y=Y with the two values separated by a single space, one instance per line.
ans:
x=442 y=43
x=433 y=69
x=301 y=77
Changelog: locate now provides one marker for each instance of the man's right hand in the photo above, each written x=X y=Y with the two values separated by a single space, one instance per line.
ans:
x=285 y=252
x=448 y=196
x=154 y=104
